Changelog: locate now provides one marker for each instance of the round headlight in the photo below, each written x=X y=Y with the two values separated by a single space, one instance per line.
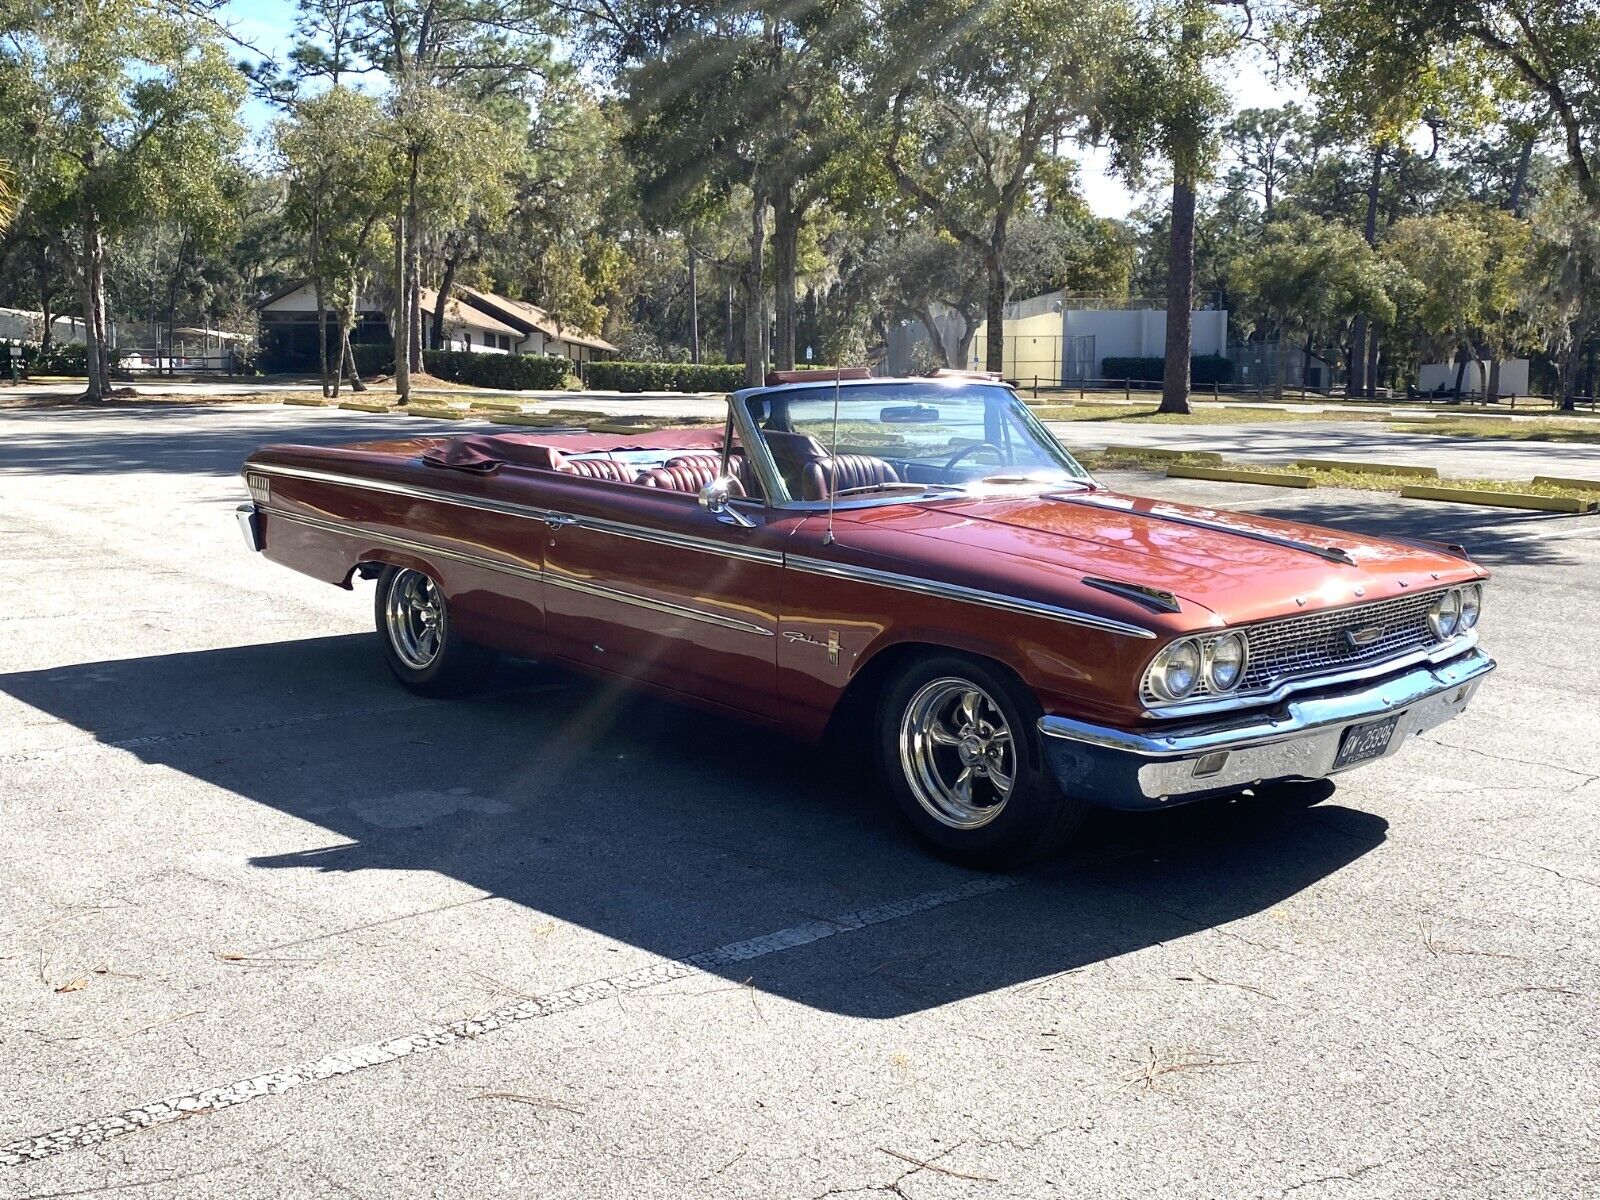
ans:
x=1176 y=670
x=1225 y=662
x=1445 y=614
x=1471 y=604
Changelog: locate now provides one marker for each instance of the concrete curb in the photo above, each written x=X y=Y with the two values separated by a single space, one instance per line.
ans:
x=366 y=406
x=1160 y=452
x=531 y=420
x=431 y=410
x=309 y=401
x=620 y=427
x=1230 y=475
x=1366 y=468
x=1583 y=485
x=1562 y=504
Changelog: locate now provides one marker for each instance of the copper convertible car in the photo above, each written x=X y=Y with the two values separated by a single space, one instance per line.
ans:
x=916 y=559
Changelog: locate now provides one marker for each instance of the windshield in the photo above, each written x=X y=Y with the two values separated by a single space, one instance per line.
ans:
x=930 y=436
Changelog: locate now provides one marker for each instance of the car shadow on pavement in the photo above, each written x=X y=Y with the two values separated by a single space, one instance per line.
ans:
x=665 y=829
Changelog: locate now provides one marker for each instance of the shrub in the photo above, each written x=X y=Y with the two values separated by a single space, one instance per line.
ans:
x=664 y=376
x=64 y=358
x=511 y=372
x=373 y=358
x=1204 y=369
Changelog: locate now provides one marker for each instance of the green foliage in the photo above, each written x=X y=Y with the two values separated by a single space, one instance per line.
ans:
x=63 y=358
x=1204 y=369
x=373 y=358
x=509 y=372
x=664 y=377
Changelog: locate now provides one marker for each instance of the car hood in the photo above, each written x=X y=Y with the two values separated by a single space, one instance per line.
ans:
x=1239 y=567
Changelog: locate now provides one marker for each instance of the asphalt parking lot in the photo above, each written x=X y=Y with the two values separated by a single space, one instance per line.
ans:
x=554 y=942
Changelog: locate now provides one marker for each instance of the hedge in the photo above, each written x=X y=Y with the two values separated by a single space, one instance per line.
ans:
x=512 y=372
x=65 y=358
x=373 y=358
x=1204 y=369
x=664 y=377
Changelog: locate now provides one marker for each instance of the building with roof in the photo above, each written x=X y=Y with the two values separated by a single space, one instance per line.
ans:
x=474 y=321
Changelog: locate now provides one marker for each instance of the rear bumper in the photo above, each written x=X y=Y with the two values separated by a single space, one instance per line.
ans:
x=250 y=525
x=1299 y=739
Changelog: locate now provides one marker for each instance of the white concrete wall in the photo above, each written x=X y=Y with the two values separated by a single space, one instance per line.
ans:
x=1513 y=377
x=1142 y=333
x=22 y=325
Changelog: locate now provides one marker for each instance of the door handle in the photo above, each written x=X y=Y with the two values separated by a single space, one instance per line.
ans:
x=558 y=520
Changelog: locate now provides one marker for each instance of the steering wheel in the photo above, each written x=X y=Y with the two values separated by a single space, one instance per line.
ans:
x=973 y=449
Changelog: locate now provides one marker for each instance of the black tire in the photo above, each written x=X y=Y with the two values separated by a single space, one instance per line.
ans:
x=453 y=665
x=1034 y=818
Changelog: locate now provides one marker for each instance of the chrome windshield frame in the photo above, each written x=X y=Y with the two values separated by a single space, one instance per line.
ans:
x=778 y=495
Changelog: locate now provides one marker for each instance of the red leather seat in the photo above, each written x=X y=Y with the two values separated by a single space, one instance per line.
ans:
x=687 y=474
x=692 y=472
x=822 y=476
x=597 y=468
x=791 y=452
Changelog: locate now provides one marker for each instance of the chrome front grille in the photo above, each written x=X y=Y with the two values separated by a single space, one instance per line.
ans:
x=1338 y=640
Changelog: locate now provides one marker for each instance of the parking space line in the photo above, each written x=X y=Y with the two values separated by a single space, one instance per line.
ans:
x=434 y=1037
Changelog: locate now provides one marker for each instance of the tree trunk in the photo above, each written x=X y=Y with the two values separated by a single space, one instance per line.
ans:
x=1280 y=367
x=402 y=316
x=446 y=286
x=925 y=315
x=1519 y=181
x=1360 y=383
x=994 y=309
x=322 y=338
x=347 y=354
x=1461 y=369
x=785 y=252
x=91 y=350
x=694 y=304
x=755 y=308
x=412 y=269
x=1491 y=389
x=1180 y=296
x=47 y=334
x=730 y=347
x=1372 y=363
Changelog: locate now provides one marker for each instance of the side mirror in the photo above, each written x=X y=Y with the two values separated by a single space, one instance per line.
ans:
x=715 y=497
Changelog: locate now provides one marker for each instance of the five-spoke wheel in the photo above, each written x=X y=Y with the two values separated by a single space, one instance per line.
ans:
x=957 y=752
x=419 y=642
x=959 y=747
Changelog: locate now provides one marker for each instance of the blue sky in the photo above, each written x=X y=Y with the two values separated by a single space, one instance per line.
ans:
x=269 y=24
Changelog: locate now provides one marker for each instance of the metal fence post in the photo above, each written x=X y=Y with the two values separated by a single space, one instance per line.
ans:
x=1127 y=389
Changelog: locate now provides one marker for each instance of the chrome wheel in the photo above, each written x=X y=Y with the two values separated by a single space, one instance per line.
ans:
x=413 y=615
x=957 y=752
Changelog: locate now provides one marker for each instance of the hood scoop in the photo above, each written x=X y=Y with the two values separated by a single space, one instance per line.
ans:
x=1331 y=554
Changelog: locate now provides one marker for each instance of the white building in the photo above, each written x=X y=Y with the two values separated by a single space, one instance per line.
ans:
x=27 y=325
x=1055 y=339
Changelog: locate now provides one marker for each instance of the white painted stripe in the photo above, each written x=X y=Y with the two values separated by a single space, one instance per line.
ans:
x=343 y=1062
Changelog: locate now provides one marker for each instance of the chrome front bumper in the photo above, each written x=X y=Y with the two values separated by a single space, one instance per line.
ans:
x=1299 y=739
x=250 y=525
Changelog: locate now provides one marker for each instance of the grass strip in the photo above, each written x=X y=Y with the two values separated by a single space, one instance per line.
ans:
x=1240 y=475
x=1336 y=464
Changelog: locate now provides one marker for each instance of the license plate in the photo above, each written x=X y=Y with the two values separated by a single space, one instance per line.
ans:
x=1362 y=742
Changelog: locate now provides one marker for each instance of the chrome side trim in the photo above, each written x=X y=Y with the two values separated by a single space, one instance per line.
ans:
x=400 y=543
x=570 y=584
x=535 y=574
x=683 y=541
x=643 y=533
x=1327 y=553
x=966 y=595
x=395 y=488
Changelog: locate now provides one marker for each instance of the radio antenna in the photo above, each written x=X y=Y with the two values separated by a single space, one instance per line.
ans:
x=833 y=460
